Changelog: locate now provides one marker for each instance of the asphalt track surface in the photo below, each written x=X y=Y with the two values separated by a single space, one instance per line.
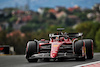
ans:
x=20 y=61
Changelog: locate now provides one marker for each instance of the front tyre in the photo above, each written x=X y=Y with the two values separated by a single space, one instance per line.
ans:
x=31 y=49
x=79 y=45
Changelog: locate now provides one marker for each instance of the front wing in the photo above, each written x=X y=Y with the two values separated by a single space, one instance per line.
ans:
x=59 y=55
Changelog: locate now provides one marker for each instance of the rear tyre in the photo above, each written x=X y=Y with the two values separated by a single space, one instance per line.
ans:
x=89 y=48
x=30 y=50
x=78 y=50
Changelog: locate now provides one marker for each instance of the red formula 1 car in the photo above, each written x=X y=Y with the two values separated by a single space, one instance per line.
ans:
x=60 y=46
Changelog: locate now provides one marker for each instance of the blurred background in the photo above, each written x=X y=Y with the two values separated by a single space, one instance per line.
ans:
x=24 y=20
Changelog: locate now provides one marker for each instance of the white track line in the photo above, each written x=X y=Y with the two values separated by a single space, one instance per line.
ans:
x=89 y=63
x=96 y=53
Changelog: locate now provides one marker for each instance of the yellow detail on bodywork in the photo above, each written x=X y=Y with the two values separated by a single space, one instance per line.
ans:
x=55 y=45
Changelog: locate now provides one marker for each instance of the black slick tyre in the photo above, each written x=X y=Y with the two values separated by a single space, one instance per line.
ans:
x=31 y=50
x=89 y=48
x=78 y=50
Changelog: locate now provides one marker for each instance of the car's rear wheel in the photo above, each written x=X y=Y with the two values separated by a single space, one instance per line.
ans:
x=78 y=49
x=31 y=50
x=89 y=48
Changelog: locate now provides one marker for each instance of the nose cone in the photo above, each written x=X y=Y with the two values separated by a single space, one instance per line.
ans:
x=54 y=49
x=53 y=55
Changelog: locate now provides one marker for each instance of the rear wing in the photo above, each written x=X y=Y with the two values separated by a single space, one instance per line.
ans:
x=60 y=29
x=75 y=35
x=70 y=35
x=53 y=35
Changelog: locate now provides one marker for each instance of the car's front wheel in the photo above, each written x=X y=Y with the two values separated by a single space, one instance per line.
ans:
x=79 y=50
x=31 y=49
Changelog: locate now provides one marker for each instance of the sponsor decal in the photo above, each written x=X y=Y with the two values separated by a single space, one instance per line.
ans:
x=55 y=45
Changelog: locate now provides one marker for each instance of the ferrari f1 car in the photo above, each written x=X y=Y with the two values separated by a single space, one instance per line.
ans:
x=60 y=46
